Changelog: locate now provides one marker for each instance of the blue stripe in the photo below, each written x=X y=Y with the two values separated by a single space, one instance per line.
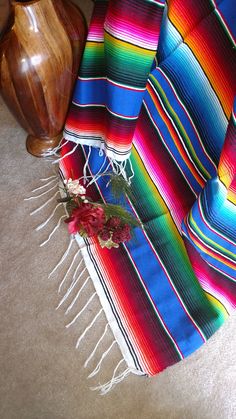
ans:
x=228 y=11
x=173 y=314
x=118 y=99
x=160 y=290
x=187 y=125
x=170 y=143
x=169 y=39
x=221 y=214
x=195 y=91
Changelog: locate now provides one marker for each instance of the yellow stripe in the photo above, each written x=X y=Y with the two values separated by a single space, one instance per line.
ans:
x=218 y=305
x=192 y=221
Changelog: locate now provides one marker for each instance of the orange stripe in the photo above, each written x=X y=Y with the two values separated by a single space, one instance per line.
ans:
x=201 y=246
x=213 y=70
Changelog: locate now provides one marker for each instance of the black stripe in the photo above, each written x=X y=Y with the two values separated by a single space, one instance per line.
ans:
x=114 y=311
x=93 y=138
x=109 y=299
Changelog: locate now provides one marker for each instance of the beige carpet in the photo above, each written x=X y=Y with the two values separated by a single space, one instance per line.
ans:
x=42 y=374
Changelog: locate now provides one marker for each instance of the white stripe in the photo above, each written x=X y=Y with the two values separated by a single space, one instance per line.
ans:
x=169 y=278
x=180 y=138
x=106 y=107
x=208 y=246
x=167 y=148
x=190 y=118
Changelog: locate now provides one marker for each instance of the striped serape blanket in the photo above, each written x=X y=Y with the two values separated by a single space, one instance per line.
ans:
x=154 y=100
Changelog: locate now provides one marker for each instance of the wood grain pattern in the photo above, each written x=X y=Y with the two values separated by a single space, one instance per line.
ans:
x=4 y=15
x=39 y=61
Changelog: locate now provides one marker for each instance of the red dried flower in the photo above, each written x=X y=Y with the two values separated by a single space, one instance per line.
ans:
x=105 y=234
x=113 y=222
x=88 y=218
x=121 y=234
x=126 y=228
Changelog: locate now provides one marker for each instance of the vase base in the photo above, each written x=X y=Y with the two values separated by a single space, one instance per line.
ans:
x=39 y=146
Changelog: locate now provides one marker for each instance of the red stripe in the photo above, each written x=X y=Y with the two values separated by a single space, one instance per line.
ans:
x=152 y=343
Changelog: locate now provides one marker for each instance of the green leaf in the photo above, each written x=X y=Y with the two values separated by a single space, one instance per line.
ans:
x=118 y=211
x=66 y=199
x=70 y=206
x=119 y=187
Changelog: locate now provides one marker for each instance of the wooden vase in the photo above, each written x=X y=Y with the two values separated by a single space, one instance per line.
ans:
x=39 y=62
x=4 y=15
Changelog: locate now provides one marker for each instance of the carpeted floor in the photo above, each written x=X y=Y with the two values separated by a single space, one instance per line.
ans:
x=42 y=374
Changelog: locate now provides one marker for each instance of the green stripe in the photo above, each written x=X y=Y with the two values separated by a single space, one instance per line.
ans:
x=181 y=129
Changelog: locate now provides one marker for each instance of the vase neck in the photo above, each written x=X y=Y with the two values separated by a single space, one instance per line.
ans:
x=30 y=14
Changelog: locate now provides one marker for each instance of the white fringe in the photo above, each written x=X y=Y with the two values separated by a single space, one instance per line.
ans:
x=54 y=151
x=63 y=256
x=44 y=186
x=42 y=194
x=98 y=366
x=86 y=165
x=54 y=230
x=49 y=218
x=73 y=279
x=99 y=174
x=82 y=310
x=88 y=328
x=76 y=270
x=96 y=346
x=122 y=166
x=81 y=273
x=77 y=295
x=106 y=387
x=132 y=171
x=48 y=178
x=67 y=272
x=70 y=289
x=44 y=205
x=96 y=176
x=120 y=169
x=66 y=155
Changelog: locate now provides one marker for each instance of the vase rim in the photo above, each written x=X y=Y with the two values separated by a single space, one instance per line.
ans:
x=24 y=3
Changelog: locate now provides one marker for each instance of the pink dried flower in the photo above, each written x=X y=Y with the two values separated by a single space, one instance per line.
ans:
x=74 y=187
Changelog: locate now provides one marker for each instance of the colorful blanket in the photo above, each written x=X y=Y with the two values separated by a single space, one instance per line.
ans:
x=154 y=99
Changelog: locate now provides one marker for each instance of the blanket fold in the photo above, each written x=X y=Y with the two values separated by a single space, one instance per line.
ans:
x=157 y=85
x=119 y=53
